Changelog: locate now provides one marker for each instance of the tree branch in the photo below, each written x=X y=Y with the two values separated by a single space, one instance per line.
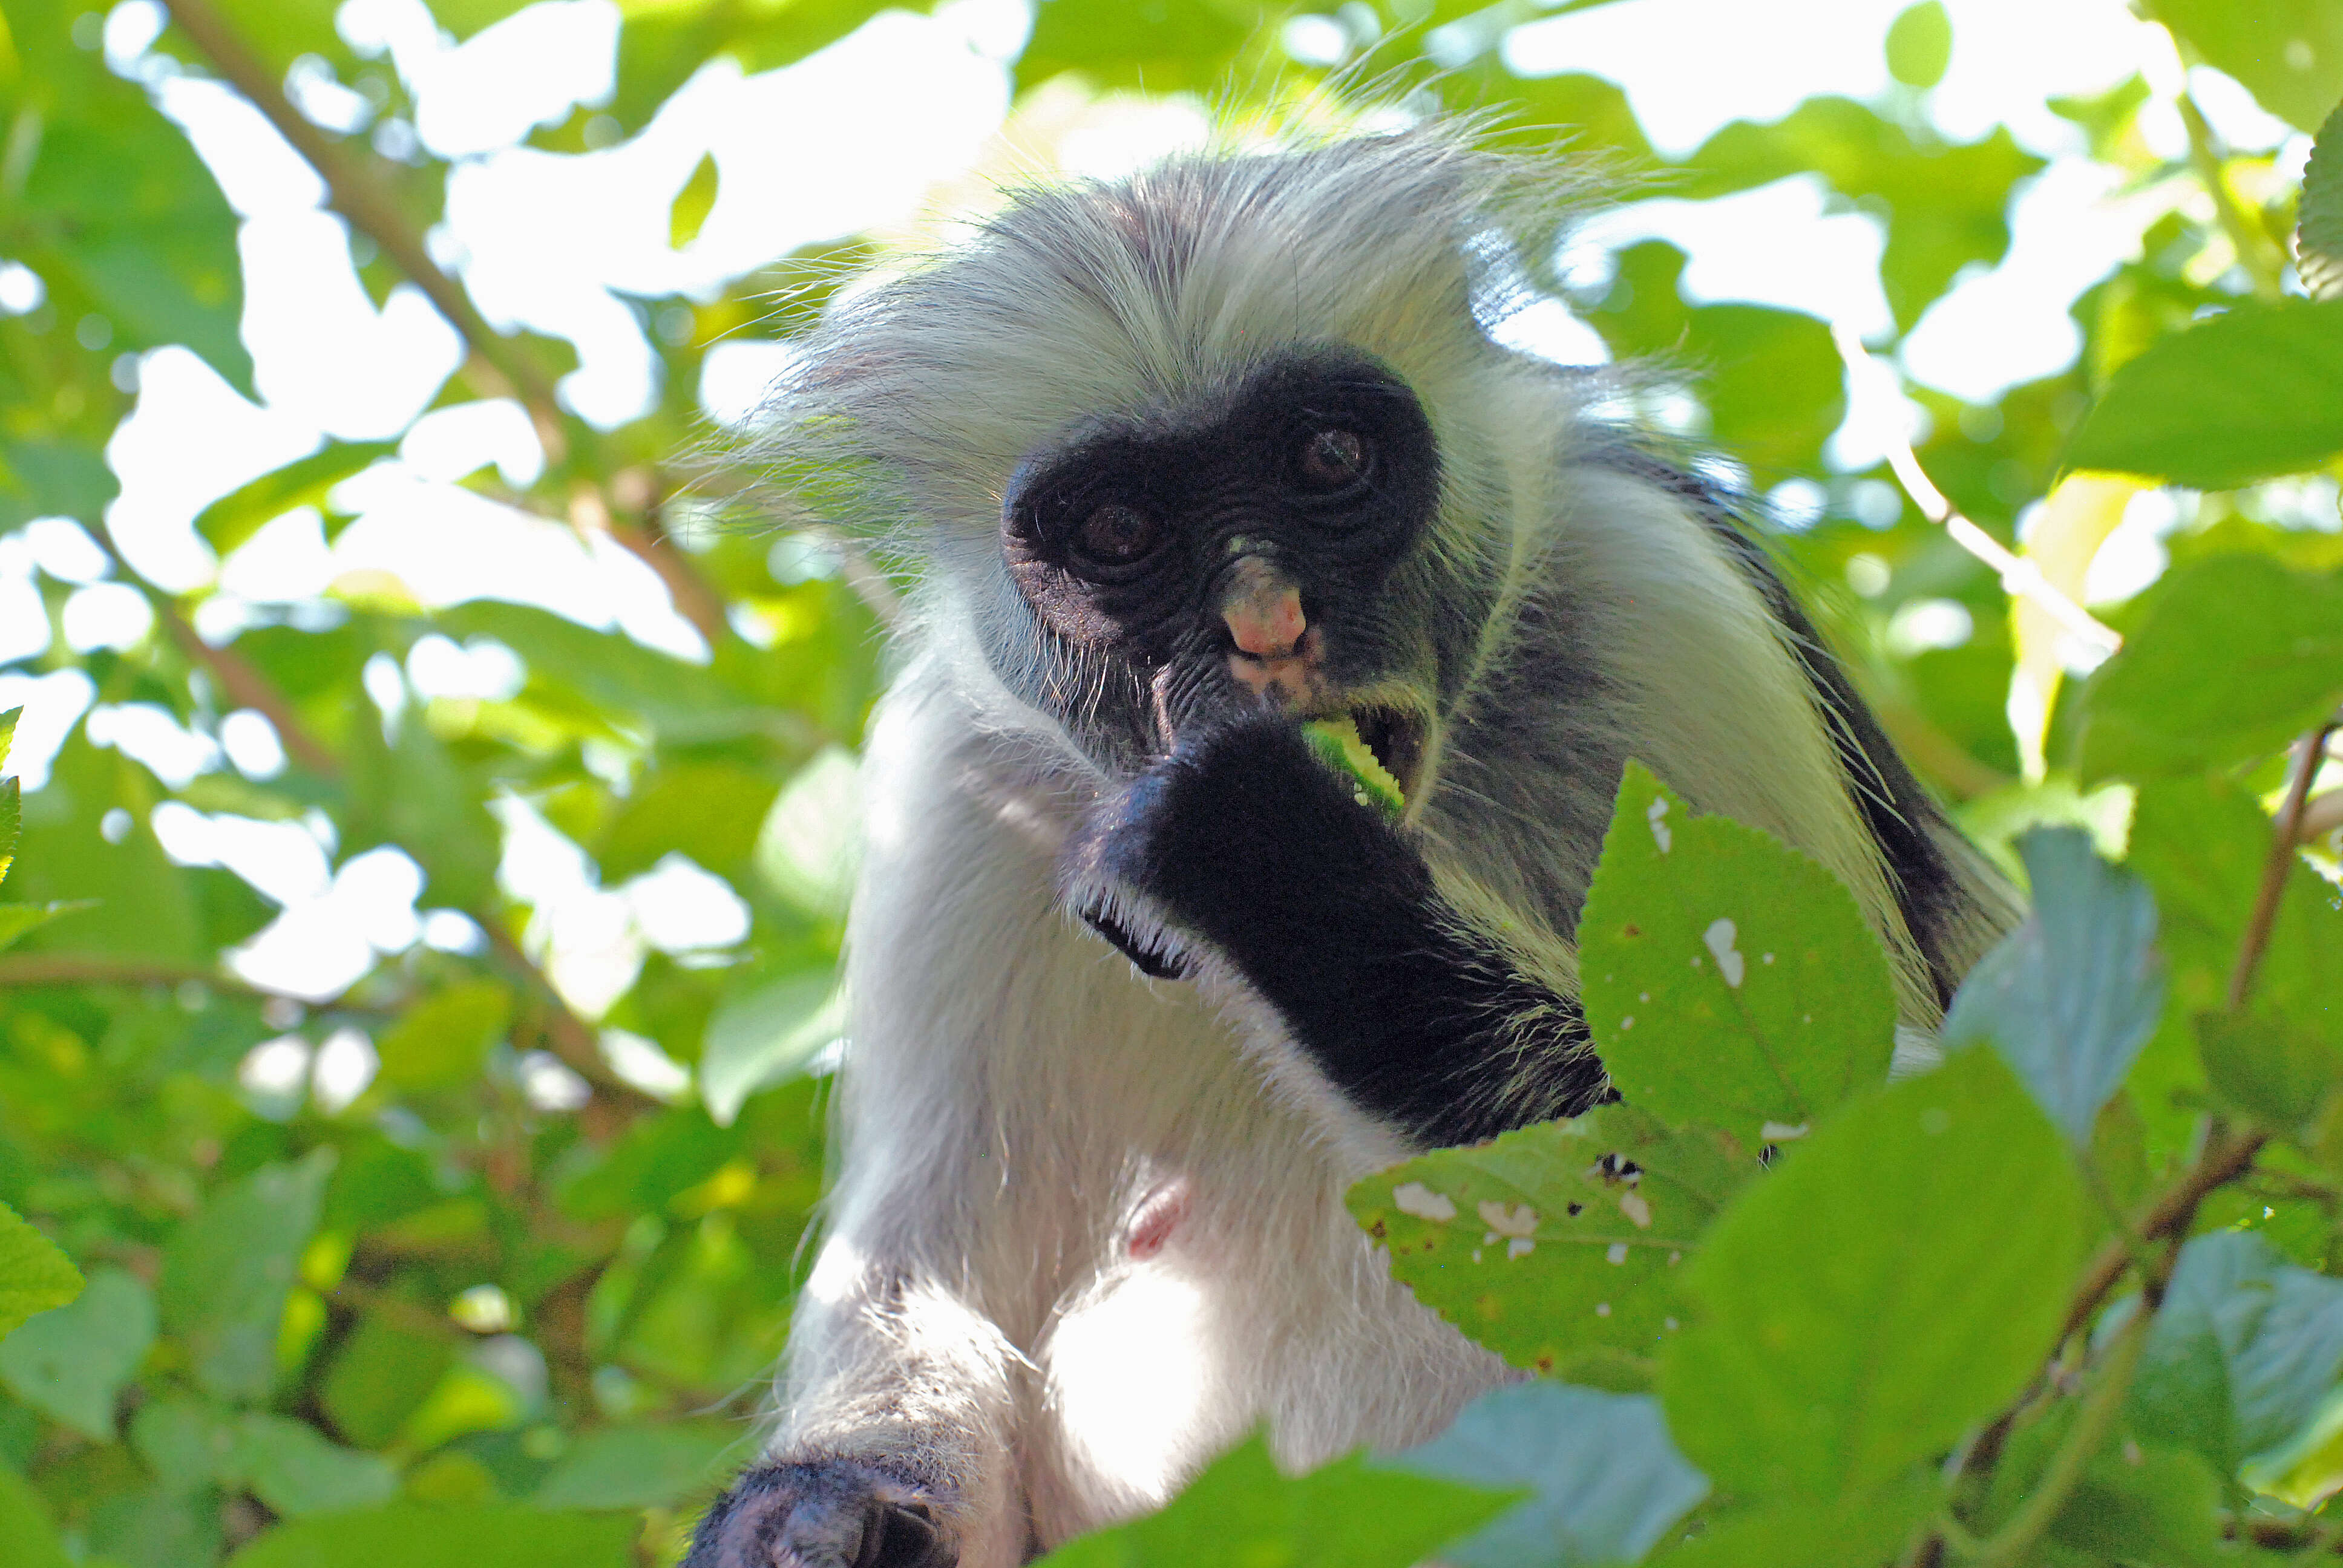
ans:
x=2285 y=836
x=2258 y=253
x=371 y=209
x=2092 y=1424
x=245 y=687
x=2021 y=578
x=571 y=1038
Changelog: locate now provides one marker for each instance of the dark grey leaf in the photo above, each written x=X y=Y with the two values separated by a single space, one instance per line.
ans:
x=1608 y=1480
x=2071 y=996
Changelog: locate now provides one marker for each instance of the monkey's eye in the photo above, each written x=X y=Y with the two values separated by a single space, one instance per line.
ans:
x=1115 y=534
x=1333 y=459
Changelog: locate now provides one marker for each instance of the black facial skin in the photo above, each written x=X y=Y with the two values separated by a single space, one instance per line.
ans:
x=1325 y=466
x=1120 y=540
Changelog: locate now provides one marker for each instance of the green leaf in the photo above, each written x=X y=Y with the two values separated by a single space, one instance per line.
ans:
x=28 y=1537
x=1241 y=1514
x=765 y=1035
x=1728 y=979
x=1898 y=1281
x=2071 y=995
x=709 y=811
x=188 y=1444
x=408 y=1535
x=1920 y=44
x=15 y=920
x=2246 y=394
x=226 y=1273
x=35 y=1276
x=2275 y=1071
x=1606 y=1480
x=415 y=793
x=1165 y=46
x=134 y=903
x=2202 y=845
x=443 y=1040
x=241 y=513
x=2242 y=1353
x=2233 y=657
x=384 y=1372
x=639 y=1467
x=293 y=1468
x=125 y=209
x=8 y=734
x=692 y=203
x=70 y=1363
x=1553 y=1238
x=1947 y=206
x=1858 y=1532
x=810 y=842
x=2319 y=237
x=2145 y=1505
x=12 y=815
x=2288 y=53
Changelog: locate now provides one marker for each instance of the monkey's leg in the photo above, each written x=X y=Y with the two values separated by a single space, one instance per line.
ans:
x=1330 y=914
x=895 y=1448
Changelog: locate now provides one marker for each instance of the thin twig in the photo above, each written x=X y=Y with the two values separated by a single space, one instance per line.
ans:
x=373 y=211
x=245 y=685
x=2092 y=1424
x=572 y=1038
x=2262 y=258
x=247 y=688
x=2286 y=835
x=2224 y=1160
x=2019 y=577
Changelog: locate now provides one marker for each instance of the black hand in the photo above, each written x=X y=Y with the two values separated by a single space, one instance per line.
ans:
x=1246 y=839
x=824 y=1513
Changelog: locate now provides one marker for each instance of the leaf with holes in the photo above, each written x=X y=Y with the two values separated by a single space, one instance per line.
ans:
x=1728 y=980
x=1556 y=1238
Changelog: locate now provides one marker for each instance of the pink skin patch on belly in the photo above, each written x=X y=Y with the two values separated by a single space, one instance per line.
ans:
x=1158 y=1217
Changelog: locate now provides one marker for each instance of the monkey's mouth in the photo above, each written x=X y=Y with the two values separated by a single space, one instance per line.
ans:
x=1397 y=735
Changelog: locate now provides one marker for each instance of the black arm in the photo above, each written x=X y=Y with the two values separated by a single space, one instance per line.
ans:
x=1245 y=839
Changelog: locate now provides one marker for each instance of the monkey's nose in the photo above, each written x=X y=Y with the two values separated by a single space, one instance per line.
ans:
x=1263 y=609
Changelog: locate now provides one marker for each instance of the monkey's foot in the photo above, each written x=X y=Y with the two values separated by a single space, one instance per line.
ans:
x=822 y=1513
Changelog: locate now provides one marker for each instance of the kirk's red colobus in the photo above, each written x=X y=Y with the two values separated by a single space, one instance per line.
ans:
x=1138 y=986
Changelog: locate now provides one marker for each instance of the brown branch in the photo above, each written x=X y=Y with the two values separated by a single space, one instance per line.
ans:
x=358 y=196
x=373 y=211
x=2225 y=1159
x=571 y=1038
x=2286 y=835
x=247 y=687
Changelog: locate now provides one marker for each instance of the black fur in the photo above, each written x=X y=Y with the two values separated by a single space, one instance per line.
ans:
x=821 y=1511
x=1245 y=839
x=1900 y=813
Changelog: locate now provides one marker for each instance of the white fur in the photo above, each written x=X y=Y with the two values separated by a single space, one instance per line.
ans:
x=1015 y=1094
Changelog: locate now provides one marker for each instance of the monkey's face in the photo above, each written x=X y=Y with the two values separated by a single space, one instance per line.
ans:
x=1253 y=547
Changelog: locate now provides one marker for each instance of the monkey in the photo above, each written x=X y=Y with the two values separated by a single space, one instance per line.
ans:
x=1138 y=987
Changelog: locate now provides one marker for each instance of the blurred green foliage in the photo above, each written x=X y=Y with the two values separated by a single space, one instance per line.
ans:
x=507 y=1300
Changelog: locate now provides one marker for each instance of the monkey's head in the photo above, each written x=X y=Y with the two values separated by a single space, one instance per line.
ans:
x=1228 y=433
